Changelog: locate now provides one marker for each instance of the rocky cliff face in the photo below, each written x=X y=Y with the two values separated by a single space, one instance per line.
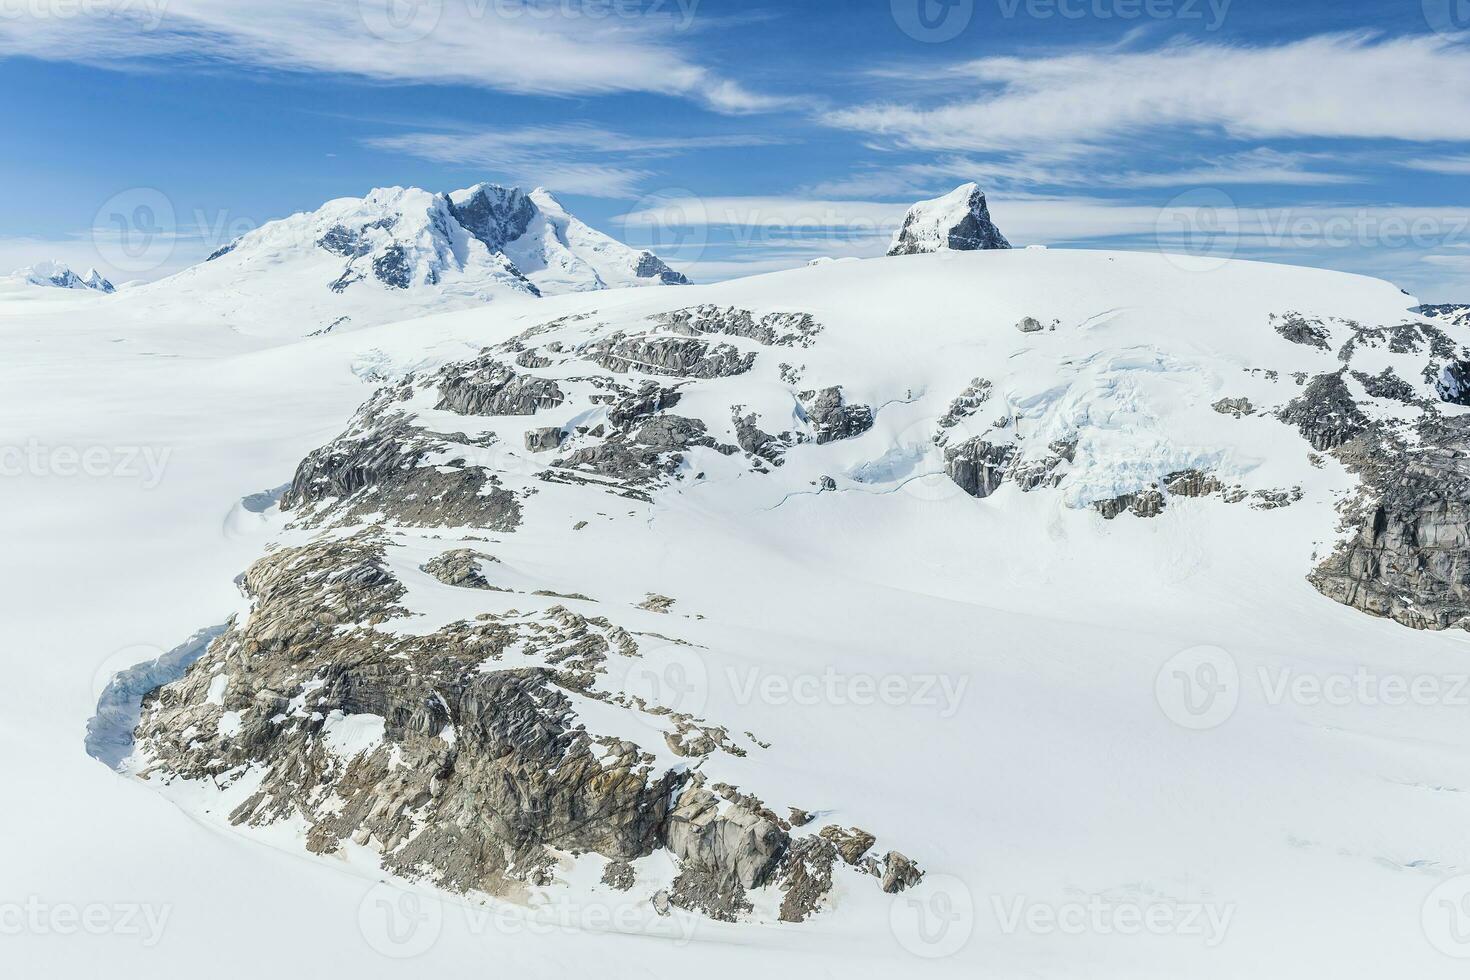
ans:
x=491 y=749
x=959 y=221
x=1407 y=556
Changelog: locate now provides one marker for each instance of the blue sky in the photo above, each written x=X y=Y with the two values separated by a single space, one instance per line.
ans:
x=738 y=137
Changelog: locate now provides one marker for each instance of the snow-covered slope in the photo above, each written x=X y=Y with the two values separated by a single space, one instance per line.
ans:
x=959 y=221
x=395 y=254
x=795 y=557
x=59 y=274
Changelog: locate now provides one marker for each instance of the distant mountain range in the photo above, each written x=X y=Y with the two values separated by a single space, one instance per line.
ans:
x=395 y=254
x=59 y=275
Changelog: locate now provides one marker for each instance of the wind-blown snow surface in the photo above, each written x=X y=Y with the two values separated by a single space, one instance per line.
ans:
x=1318 y=829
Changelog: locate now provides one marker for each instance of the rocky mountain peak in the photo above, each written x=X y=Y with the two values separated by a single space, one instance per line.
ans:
x=959 y=221
x=60 y=275
x=402 y=252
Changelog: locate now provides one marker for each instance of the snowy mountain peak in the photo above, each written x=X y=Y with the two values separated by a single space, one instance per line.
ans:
x=402 y=252
x=59 y=275
x=959 y=221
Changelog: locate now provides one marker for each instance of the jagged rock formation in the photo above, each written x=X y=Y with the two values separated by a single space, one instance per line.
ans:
x=1301 y=330
x=959 y=221
x=1407 y=553
x=456 y=766
x=1409 y=556
x=379 y=468
x=469 y=753
x=772 y=330
x=832 y=417
x=460 y=568
x=1326 y=413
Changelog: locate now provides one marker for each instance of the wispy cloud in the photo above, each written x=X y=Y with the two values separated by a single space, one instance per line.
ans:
x=508 y=45
x=575 y=159
x=1341 y=86
x=1262 y=165
x=1441 y=165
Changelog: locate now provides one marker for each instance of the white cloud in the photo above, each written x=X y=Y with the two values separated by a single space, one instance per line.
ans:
x=1441 y=165
x=1346 y=86
x=760 y=214
x=501 y=44
x=574 y=159
x=915 y=180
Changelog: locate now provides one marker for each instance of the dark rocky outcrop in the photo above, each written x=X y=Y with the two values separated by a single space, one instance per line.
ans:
x=1326 y=413
x=832 y=417
x=654 y=451
x=757 y=442
x=461 y=568
x=978 y=467
x=1408 y=556
x=649 y=399
x=454 y=768
x=1387 y=385
x=392 y=268
x=1238 y=407
x=544 y=439
x=488 y=387
x=1144 y=503
x=650 y=266
x=772 y=330
x=378 y=469
x=1300 y=330
x=967 y=403
x=672 y=356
